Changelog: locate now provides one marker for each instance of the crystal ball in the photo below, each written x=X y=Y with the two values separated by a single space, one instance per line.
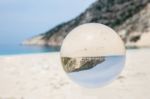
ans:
x=92 y=55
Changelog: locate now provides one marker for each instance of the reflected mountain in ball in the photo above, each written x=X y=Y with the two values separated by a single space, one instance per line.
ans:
x=80 y=63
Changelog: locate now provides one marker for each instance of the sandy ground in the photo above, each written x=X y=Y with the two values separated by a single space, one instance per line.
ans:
x=40 y=76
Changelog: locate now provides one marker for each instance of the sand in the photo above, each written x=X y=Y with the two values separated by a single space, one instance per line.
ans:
x=40 y=76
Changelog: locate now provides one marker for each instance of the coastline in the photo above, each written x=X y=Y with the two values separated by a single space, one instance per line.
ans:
x=37 y=76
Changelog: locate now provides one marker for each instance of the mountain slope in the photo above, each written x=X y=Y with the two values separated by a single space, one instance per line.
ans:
x=125 y=16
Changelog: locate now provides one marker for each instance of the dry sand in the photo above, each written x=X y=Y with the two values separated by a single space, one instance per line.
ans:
x=40 y=76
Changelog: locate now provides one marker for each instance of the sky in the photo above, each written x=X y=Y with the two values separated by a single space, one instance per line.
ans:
x=22 y=19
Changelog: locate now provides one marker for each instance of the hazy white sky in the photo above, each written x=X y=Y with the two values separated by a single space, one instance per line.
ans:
x=21 y=19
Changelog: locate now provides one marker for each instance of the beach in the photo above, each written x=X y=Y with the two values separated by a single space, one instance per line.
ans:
x=41 y=76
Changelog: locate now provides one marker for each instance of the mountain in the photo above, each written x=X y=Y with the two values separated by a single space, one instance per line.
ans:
x=130 y=19
x=80 y=63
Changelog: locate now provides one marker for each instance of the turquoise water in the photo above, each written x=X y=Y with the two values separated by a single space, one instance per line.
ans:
x=20 y=49
x=101 y=74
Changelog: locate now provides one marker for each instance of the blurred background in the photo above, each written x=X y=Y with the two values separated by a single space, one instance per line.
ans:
x=44 y=24
x=20 y=20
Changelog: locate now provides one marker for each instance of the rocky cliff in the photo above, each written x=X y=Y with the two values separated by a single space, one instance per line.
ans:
x=130 y=18
x=80 y=63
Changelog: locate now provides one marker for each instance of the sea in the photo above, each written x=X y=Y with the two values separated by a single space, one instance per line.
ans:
x=15 y=49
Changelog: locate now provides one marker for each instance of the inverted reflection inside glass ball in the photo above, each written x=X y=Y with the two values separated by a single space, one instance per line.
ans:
x=92 y=55
x=93 y=71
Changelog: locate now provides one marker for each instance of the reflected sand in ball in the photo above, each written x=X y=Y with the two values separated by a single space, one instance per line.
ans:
x=93 y=55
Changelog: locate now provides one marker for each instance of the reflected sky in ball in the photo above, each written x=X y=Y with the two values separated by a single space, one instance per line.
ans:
x=101 y=74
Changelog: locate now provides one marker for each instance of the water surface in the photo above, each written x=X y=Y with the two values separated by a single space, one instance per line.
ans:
x=21 y=49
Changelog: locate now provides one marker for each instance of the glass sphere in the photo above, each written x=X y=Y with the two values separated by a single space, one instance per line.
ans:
x=92 y=55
